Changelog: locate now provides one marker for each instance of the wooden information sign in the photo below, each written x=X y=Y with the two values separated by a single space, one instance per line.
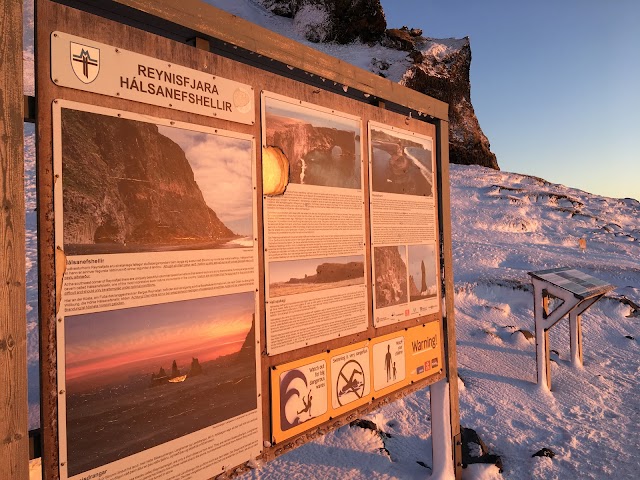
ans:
x=193 y=322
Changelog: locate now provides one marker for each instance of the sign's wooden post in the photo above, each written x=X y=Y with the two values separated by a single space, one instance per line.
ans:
x=449 y=326
x=14 y=438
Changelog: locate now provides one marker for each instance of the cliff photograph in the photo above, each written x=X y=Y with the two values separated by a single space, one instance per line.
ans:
x=390 y=273
x=313 y=274
x=140 y=377
x=423 y=278
x=323 y=149
x=399 y=165
x=133 y=186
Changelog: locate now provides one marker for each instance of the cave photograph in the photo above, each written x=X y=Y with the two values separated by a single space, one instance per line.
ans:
x=400 y=165
x=134 y=186
x=323 y=148
x=139 y=377
x=313 y=274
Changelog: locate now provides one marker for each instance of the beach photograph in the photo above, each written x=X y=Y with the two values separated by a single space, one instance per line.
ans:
x=323 y=148
x=134 y=186
x=313 y=274
x=139 y=377
x=400 y=165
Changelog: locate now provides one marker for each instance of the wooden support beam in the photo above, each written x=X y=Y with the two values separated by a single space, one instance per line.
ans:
x=14 y=435
x=449 y=323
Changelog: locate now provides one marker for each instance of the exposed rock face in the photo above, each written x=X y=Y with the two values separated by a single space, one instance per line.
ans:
x=413 y=289
x=441 y=70
x=195 y=369
x=391 y=277
x=342 y=21
x=248 y=351
x=125 y=183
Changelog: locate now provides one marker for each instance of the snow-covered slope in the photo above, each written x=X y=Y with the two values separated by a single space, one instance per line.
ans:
x=504 y=225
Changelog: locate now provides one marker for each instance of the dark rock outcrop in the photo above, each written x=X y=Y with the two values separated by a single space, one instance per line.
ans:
x=125 y=183
x=333 y=272
x=342 y=21
x=474 y=450
x=195 y=369
x=413 y=289
x=443 y=73
x=175 y=372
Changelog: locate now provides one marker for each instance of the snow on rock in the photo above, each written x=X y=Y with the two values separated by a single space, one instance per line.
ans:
x=312 y=23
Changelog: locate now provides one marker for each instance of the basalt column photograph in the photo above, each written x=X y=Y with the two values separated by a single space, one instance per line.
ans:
x=134 y=186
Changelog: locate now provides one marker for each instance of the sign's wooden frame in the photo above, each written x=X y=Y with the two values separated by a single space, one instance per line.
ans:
x=210 y=26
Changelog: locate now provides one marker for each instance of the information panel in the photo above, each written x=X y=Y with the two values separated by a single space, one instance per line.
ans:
x=310 y=391
x=315 y=233
x=157 y=334
x=403 y=225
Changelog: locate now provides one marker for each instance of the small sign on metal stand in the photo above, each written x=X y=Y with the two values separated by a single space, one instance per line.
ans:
x=577 y=291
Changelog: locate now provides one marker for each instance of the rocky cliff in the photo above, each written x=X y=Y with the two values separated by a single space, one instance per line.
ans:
x=390 y=277
x=333 y=272
x=342 y=21
x=438 y=68
x=125 y=183
x=317 y=155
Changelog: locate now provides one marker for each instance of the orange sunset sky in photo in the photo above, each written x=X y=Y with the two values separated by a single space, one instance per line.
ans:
x=140 y=340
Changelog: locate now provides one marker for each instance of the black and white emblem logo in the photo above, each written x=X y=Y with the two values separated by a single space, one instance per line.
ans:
x=85 y=62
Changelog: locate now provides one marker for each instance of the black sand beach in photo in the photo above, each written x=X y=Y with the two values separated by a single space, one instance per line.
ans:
x=148 y=376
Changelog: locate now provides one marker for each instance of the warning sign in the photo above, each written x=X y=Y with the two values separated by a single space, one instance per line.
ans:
x=300 y=396
x=388 y=363
x=303 y=394
x=424 y=352
x=350 y=377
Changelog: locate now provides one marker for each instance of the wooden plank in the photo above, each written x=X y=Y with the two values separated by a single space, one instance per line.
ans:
x=444 y=197
x=211 y=21
x=14 y=435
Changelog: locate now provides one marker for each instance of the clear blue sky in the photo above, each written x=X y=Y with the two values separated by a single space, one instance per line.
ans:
x=555 y=84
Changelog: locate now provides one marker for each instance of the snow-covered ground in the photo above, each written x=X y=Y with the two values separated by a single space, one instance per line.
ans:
x=504 y=225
